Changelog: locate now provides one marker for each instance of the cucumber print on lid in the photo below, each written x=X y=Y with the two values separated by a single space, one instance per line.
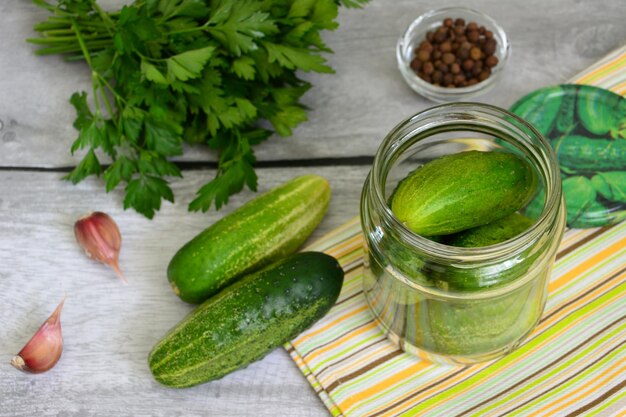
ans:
x=586 y=127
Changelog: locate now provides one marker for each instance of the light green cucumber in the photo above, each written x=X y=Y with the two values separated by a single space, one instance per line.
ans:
x=261 y=231
x=463 y=190
x=247 y=320
x=473 y=279
x=492 y=233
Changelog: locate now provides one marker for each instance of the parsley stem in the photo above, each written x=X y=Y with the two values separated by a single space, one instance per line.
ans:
x=107 y=102
x=83 y=47
x=64 y=39
x=190 y=30
x=61 y=49
x=58 y=22
x=46 y=26
x=55 y=32
x=105 y=17
x=106 y=83
x=96 y=78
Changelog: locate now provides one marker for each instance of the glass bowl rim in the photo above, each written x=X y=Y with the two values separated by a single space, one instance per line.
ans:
x=444 y=94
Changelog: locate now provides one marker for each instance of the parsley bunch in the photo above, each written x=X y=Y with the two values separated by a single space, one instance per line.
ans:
x=164 y=72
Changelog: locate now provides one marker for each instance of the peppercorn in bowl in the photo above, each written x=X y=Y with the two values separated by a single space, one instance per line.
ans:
x=452 y=54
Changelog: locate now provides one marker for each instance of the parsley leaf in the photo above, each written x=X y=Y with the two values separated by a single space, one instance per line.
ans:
x=188 y=64
x=236 y=24
x=145 y=193
x=163 y=137
x=291 y=57
x=231 y=177
x=152 y=73
x=120 y=170
x=244 y=67
x=223 y=73
x=88 y=166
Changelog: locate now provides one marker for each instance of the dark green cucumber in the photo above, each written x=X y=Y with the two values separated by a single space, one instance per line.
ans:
x=600 y=111
x=565 y=120
x=534 y=209
x=463 y=190
x=267 y=228
x=540 y=108
x=492 y=233
x=247 y=320
x=582 y=154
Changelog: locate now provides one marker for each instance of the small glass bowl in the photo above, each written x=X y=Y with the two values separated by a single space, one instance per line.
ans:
x=416 y=33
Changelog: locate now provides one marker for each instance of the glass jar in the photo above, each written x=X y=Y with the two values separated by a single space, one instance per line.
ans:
x=407 y=279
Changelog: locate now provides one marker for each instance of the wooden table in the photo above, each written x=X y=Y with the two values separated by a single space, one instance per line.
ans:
x=110 y=328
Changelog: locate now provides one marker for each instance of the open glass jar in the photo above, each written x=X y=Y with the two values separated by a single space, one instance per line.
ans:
x=407 y=278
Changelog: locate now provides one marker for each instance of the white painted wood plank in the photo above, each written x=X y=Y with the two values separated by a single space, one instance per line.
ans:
x=109 y=328
x=352 y=110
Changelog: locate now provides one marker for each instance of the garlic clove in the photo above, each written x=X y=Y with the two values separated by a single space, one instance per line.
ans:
x=98 y=234
x=44 y=349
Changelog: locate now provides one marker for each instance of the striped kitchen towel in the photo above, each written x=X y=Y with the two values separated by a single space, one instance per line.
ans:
x=573 y=363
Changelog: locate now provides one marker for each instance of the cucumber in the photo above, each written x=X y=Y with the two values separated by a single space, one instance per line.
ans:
x=540 y=108
x=534 y=209
x=261 y=231
x=247 y=320
x=492 y=233
x=473 y=327
x=565 y=120
x=473 y=279
x=463 y=190
x=581 y=154
x=600 y=111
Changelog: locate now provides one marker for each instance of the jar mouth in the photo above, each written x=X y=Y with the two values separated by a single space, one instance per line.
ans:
x=448 y=117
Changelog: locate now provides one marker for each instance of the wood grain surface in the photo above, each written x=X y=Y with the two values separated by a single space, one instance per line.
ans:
x=110 y=328
x=352 y=110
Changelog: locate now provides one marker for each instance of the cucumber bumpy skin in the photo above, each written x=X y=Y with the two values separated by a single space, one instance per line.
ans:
x=265 y=229
x=492 y=233
x=247 y=320
x=581 y=154
x=463 y=190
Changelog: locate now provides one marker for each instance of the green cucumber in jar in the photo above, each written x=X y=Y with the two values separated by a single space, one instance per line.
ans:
x=491 y=233
x=474 y=327
x=265 y=229
x=473 y=279
x=534 y=209
x=463 y=190
x=247 y=320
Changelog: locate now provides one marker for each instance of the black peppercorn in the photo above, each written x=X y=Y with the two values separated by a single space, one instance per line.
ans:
x=455 y=55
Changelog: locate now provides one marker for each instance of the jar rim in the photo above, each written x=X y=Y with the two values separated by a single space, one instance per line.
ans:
x=391 y=146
